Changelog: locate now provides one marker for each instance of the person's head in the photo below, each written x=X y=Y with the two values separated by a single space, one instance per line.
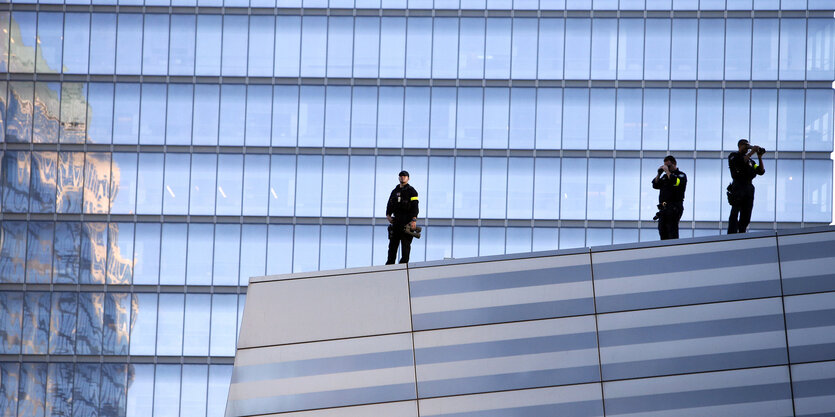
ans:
x=670 y=162
x=743 y=145
x=404 y=177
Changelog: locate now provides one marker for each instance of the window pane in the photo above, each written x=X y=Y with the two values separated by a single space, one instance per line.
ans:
x=208 y=46
x=493 y=188
x=655 y=119
x=440 y=191
x=234 y=45
x=285 y=115
x=306 y=248
x=70 y=177
x=682 y=119
x=282 y=185
x=113 y=387
x=657 y=49
x=335 y=188
x=256 y=185
x=287 y=46
x=390 y=119
x=59 y=391
x=67 y=251
x=253 y=252
x=443 y=117
x=182 y=48
x=792 y=49
x=765 y=49
x=367 y=41
x=32 y=389
x=309 y=178
x=817 y=191
x=709 y=119
x=600 y=189
x=467 y=173
x=261 y=48
x=445 y=48
x=149 y=184
x=219 y=378
x=789 y=190
x=471 y=48
x=314 y=46
x=193 y=395
x=392 y=47
x=76 y=43
x=332 y=247
x=39 y=252
x=44 y=173
x=146 y=253
x=464 y=242
x=155 y=48
x=520 y=188
x=766 y=190
x=522 y=118
x=170 y=330
x=93 y=252
x=497 y=49
x=199 y=264
x=120 y=253
x=279 y=249
x=103 y=50
x=116 y=323
x=97 y=181
x=166 y=390
x=551 y=45
x=126 y=114
x=364 y=117
x=820 y=49
x=340 y=35
x=576 y=116
x=128 y=42
x=73 y=112
x=684 y=49
x=418 y=47
x=141 y=390
x=416 y=117
x=496 y=113
x=764 y=117
x=62 y=330
x=23 y=42
x=572 y=238
x=738 y=52
x=35 y=322
x=229 y=182
x=100 y=112
x=176 y=183
x=178 y=121
x=19 y=112
x=818 y=120
x=233 y=109
x=631 y=49
x=577 y=47
x=258 y=109
x=311 y=115
x=602 y=118
x=573 y=188
x=708 y=188
x=547 y=188
x=337 y=116
x=711 y=48
x=172 y=267
x=12 y=251
x=548 y=118
x=47 y=112
x=386 y=178
x=604 y=49
x=627 y=188
x=196 y=327
x=790 y=120
x=143 y=324
x=736 y=123
x=524 y=48
x=359 y=246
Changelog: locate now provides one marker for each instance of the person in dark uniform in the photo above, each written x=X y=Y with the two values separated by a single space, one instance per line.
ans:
x=741 y=191
x=671 y=182
x=401 y=210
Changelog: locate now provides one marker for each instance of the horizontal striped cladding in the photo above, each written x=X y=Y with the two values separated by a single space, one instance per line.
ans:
x=807 y=262
x=322 y=374
x=398 y=409
x=763 y=392
x=575 y=401
x=500 y=291
x=692 y=339
x=667 y=276
x=506 y=356
x=810 y=320
x=814 y=389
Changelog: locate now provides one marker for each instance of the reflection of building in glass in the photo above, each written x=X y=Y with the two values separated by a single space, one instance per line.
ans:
x=152 y=161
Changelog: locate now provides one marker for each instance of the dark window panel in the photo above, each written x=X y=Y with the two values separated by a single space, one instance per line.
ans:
x=73 y=112
x=39 y=252
x=116 y=324
x=67 y=255
x=11 y=322
x=90 y=323
x=59 y=387
x=93 y=260
x=44 y=178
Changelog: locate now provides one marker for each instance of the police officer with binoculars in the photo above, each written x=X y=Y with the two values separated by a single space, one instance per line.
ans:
x=741 y=190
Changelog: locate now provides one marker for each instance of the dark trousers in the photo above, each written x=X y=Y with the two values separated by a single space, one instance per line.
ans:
x=741 y=210
x=668 y=221
x=398 y=238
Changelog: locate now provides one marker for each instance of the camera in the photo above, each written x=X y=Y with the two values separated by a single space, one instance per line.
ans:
x=660 y=171
x=760 y=151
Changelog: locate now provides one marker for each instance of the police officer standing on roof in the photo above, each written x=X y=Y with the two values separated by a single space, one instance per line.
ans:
x=401 y=212
x=671 y=182
x=741 y=191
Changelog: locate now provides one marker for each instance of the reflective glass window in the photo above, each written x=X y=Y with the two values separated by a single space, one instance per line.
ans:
x=12 y=251
x=206 y=114
x=140 y=394
x=219 y=378
x=120 y=253
x=73 y=112
x=548 y=118
x=59 y=387
x=631 y=49
x=66 y=256
x=367 y=45
x=491 y=241
x=149 y=184
x=128 y=42
x=182 y=44
x=146 y=253
x=765 y=49
x=627 y=188
x=708 y=187
x=440 y=190
x=99 y=106
x=624 y=236
x=709 y=119
x=126 y=114
x=233 y=109
x=790 y=124
x=261 y=48
x=496 y=113
x=179 y=114
x=229 y=183
x=392 y=47
x=573 y=188
x=193 y=391
x=42 y=185
x=311 y=115
x=655 y=119
x=518 y=240
x=97 y=182
x=340 y=35
x=309 y=178
x=62 y=330
x=439 y=245
x=684 y=49
x=418 y=47
x=196 y=327
x=253 y=252
x=335 y=186
x=155 y=47
x=386 y=178
x=287 y=46
x=602 y=118
x=820 y=49
x=792 y=49
x=764 y=117
x=493 y=188
x=76 y=40
x=364 y=117
x=789 y=193
x=576 y=118
x=166 y=389
x=337 y=116
x=522 y=118
x=361 y=184
x=711 y=48
x=766 y=190
x=279 y=249
x=207 y=55
x=497 y=48
x=198 y=263
x=39 y=252
x=657 y=49
x=600 y=189
x=577 y=48
x=546 y=199
x=256 y=185
x=5 y=23
x=359 y=246
x=467 y=173
x=572 y=237
x=113 y=387
x=520 y=181
x=201 y=198
x=471 y=48
x=258 y=110
x=285 y=115
x=47 y=112
x=103 y=50
x=176 y=194
x=818 y=121
x=70 y=182
x=682 y=118
x=314 y=46
x=738 y=49
x=442 y=134
x=170 y=329
x=282 y=185
x=390 y=117
x=524 y=51
x=604 y=48
x=332 y=248
x=117 y=321
x=35 y=322
x=306 y=248
x=32 y=389
x=736 y=120
x=464 y=242
x=19 y=111
x=817 y=191
x=93 y=262
x=172 y=267
x=416 y=117
x=550 y=49
x=23 y=42
x=143 y=328
x=598 y=237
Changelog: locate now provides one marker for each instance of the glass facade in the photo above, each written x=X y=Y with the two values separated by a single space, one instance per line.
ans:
x=154 y=158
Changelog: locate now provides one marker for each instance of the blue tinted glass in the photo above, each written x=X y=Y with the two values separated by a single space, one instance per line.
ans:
x=128 y=41
x=166 y=389
x=193 y=394
x=32 y=389
x=67 y=251
x=572 y=238
x=627 y=188
x=493 y=188
x=179 y=112
x=126 y=114
x=711 y=48
x=73 y=112
x=604 y=48
x=279 y=249
x=792 y=49
x=229 y=183
x=206 y=114
x=386 y=178
x=253 y=252
x=657 y=49
x=116 y=324
x=738 y=52
x=39 y=252
x=282 y=185
x=818 y=120
x=12 y=251
x=817 y=191
x=440 y=190
x=573 y=188
x=155 y=48
x=170 y=330
x=598 y=237
x=392 y=47
x=496 y=113
x=390 y=117
x=199 y=264
x=309 y=178
x=23 y=42
x=736 y=121
x=548 y=118
x=59 y=387
x=518 y=240
x=261 y=48
x=655 y=118
x=520 y=183
x=306 y=248
x=42 y=186
x=120 y=253
x=176 y=187
x=337 y=116
x=600 y=189
x=311 y=115
x=443 y=117
x=820 y=49
x=682 y=118
x=764 y=117
x=765 y=49
x=172 y=267
x=113 y=388
x=464 y=242
x=332 y=247
x=219 y=378
x=103 y=50
x=631 y=49
x=314 y=46
x=467 y=173
x=497 y=49
x=418 y=47
x=19 y=112
x=47 y=112
x=258 y=115
x=684 y=49
x=335 y=187
x=233 y=111
x=100 y=112
x=256 y=185
x=152 y=111
x=35 y=322
x=789 y=193
x=182 y=44
x=367 y=44
x=491 y=241
x=602 y=118
x=359 y=246
x=143 y=324
x=196 y=327
x=445 y=48
x=471 y=48
x=92 y=263
x=361 y=183
x=524 y=50
x=146 y=253
x=577 y=47
x=140 y=395
x=287 y=46
x=285 y=117
x=62 y=330
x=551 y=45
x=340 y=34
x=208 y=45
x=705 y=181
x=576 y=117
x=790 y=123
x=709 y=119
x=77 y=43
x=522 y=118
x=439 y=243
x=416 y=117
x=546 y=201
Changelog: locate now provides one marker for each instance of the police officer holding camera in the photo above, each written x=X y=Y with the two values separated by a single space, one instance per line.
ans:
x=671 y=183
x=741 y=190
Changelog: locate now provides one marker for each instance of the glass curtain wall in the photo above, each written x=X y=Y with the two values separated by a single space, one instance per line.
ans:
x=152 y=160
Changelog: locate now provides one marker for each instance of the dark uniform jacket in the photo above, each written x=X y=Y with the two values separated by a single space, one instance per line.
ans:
x=743 y=172
x=672 y=187
x=403 y=204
